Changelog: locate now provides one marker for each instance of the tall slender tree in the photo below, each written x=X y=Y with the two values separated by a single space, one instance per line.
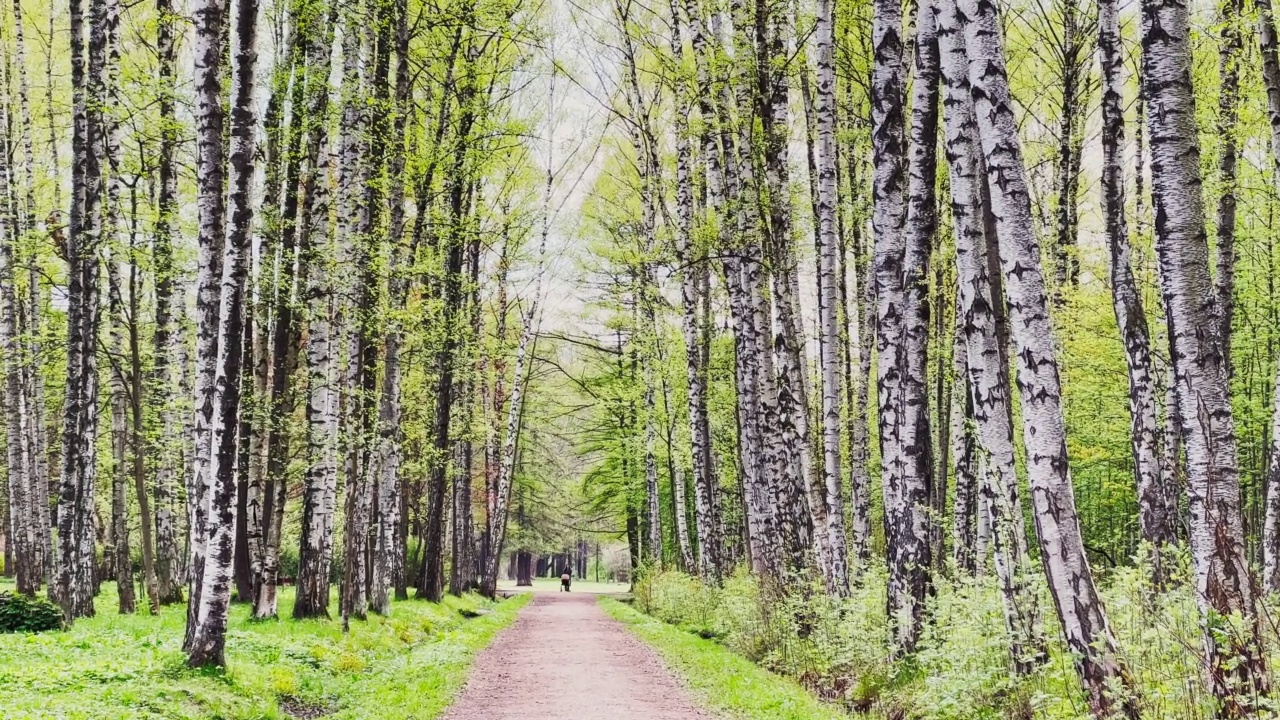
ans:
x=1071 y=583
x=829 y=247
x=1234 y=660
x=315 y=552
x=207 y=628
x=1157 y=506
x=74 y=583
x=905 y=491
x=986 y=363
x=1270 y=51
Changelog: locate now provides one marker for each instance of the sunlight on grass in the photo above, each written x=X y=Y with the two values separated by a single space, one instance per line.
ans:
x=408 y=665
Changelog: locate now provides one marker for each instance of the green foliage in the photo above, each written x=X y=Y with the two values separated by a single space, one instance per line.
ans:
x=835 y=647
x=726 y=683
x=22 y=614
x=839 y=649
x=408 y=665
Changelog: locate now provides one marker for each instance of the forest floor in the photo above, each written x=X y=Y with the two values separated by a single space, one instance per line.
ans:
x=565 y=659
x=117 y=667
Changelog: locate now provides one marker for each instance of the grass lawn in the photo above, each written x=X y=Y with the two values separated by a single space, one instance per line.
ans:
x=409 y=665
x=727 y=684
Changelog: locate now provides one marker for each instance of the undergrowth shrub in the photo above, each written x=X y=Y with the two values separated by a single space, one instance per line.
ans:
x=962 y=666
x=839 y=648
x=19 y=613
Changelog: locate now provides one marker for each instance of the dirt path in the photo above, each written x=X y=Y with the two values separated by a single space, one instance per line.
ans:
x=564 y=659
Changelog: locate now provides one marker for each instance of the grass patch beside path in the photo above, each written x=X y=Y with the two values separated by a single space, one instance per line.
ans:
x=725 y=683
x=408 y=665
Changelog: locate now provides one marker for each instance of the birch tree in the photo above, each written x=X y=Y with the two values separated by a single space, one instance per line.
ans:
x=828 y=266
x=1234 y=660
x=1071 y=582
x=905 y=491
x=1157 y=508
x=73 y=588
x=207 y=631
x=315 y=552
x=1268 y=46
x=985 y=360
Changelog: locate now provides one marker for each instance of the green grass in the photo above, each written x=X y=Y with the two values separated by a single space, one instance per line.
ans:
x=725 y=683
x=409 y=665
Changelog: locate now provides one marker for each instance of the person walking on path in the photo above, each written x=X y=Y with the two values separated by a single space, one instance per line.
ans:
x=565 y=581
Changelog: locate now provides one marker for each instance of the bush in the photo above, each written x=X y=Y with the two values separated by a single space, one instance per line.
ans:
x=19 y=613
x=836 y=647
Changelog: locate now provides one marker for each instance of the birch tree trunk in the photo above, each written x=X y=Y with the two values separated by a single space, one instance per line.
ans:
x=797 y=482
x=105 y=84
x=431 y=581
x=771 y=502
x=1107 y=682
x=163 y=447
x=985 y=361
x=387 y=449
x=37 y=471
x=281 y=232
x=353 y=223
x=27 y=221
x=921 y=228
x=859 y=431
x=964 y=509
x=1270 y=51
x=905 y=492
x=74 y=584
x=1234 y=660
x=1067 y=163
x=210 y=172
x=709 y=546
x=1230 y=52
x=829 y=247
x=119 y=556
x=315 y=552
x=208 y=636
x=497 y=531
x=22 y=521
x=1157 y=506
x=137 y=394
x=706 y=563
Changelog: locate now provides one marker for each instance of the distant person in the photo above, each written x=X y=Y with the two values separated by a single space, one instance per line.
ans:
x=565 y=581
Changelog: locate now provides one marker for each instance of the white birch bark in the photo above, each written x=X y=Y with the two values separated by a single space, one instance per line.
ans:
x=1107 y=682
x=210 y=173
x=1234 y=661
x=208 y=637
x=320 y=486
x=387 y=444
x=22 y=518
x=353 y=220
x=1157 y=505
x=1270 y=51
x=997 y=503
x=74 y=584
x=167 y=336
x=1230 y=51
x=906 y=526
x=828 y=285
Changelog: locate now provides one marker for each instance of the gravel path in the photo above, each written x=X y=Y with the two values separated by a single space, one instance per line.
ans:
x=564 y=659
